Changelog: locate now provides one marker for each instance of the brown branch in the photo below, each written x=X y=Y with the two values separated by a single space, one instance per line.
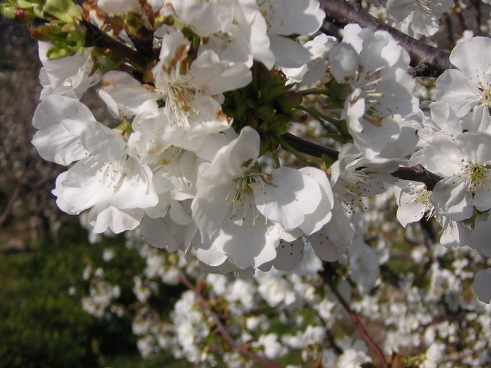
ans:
x=95 y=37
x=222 y=330
x=417 y=173
x=310 y=148
x=428 y=60
x=373 y=347
x=412 y=173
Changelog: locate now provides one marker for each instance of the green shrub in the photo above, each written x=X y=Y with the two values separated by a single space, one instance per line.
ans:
x=42 y=325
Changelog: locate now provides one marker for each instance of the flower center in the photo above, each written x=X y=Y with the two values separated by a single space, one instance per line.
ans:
x=369 y=85
x=485 y=95
x=112 y=175
x=477 y=175
x=244 y=211
x=424 y=198
x=170 y=154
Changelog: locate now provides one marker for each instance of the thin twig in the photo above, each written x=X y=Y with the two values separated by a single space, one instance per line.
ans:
x=97 y=38
x=412 y=173
x=310 y=148
x=355 y=318
x=417 y=173
x=222 y=330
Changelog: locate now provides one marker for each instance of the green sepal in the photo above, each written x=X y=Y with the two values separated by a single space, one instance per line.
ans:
x=64 y=10
x=55 y=53
x=8 y=11
x=66 y=39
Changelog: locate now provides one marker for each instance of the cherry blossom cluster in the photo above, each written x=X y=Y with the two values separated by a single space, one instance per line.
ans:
x=176 y=165
x=210 y=102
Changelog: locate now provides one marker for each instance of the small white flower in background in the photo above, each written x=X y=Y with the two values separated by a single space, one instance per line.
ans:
x=364 y=264
x=276 y=290
x=434 y=356
x=352 y=359
x=108 y=255
x=273 y=348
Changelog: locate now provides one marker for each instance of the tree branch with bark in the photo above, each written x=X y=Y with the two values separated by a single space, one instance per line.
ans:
x=427 y=60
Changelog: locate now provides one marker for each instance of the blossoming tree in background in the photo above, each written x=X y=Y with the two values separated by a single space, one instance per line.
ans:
x=251 y=137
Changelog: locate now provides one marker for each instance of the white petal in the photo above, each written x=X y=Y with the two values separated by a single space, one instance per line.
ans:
x=476 y=147
x=454 y=234
x=442 y=157
x=228 y=163
x=478 y=121
x=291 y=17
x=126 y=96
x=480 y=235
x=210 y=208
x=289 y=255
x=166 y=234
x=482 y=285
x=411 y=209
x=114 y=219
x=289 y=53
x=62 y=123
x=290 y=197
x=364 y=264
x=334 y=239
x=458 y=91
x=322 y=215
x=122 y=184
x=473 y=57
x=452 y=198
x=212 y=257
x=343 y=62
x=214 y=77
x=246 y=246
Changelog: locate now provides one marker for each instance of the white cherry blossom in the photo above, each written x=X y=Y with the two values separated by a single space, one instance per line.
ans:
x=463 y=163
x=70 y=76
x=422 y=15
x=469 y=85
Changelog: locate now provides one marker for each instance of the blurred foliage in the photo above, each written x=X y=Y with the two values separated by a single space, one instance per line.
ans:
x=43 y=325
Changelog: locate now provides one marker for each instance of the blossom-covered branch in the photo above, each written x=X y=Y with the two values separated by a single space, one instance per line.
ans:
x=243 y=350
x=206 y=96
x=428 y=60
x=327 y=275
x=95 y=37
x=415 y=173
